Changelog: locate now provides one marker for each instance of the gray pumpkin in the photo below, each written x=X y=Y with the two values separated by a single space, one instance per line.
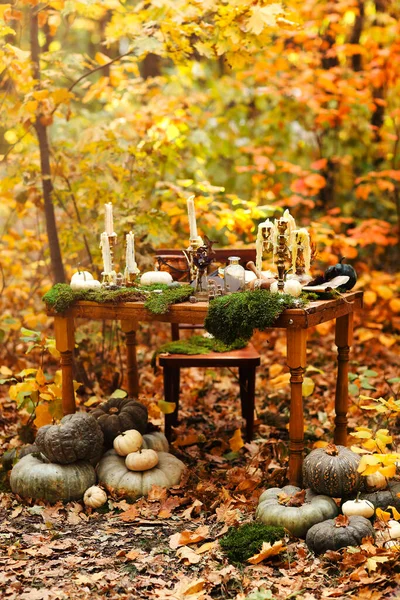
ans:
x=384 y=498
x=78 y=437
x=332 y=471
x=34 y=477
x=329 y=536
x=296 y=519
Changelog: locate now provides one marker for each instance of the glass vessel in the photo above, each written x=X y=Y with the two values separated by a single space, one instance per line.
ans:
x=234 y=276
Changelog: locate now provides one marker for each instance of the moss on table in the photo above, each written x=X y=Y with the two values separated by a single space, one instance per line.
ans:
x=157 y=297
x=238 y=315
x=196 y=344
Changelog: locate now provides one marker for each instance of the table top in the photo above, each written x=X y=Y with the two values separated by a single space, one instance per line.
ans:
x=318 y=311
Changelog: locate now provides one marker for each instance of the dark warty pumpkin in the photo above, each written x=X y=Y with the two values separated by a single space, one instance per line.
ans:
x=118 y=415
x=332 y=471
x=338 y=533
x=77 y=437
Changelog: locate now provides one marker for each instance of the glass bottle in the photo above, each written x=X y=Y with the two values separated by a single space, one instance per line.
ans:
x=234 y=275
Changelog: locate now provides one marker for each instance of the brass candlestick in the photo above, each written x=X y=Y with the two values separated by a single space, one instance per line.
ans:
x=282 y=253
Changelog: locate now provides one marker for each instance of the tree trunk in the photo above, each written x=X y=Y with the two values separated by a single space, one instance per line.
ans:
x=356 y=59
x=47 y=186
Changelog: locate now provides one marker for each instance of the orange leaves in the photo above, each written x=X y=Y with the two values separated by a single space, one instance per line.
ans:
x=267 y=550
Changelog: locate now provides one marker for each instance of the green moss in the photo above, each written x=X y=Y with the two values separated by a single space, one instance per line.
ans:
x=241 y=543
x=196 y=344
x=159 y=303
x=238 y=315
x=61 y=296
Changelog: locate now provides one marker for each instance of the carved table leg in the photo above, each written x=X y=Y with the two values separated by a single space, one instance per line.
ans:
x=296 y=360
x=343 y=340
x=129 y=328
x=65 y=343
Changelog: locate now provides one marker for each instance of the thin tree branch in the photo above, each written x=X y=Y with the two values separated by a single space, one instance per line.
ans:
x=99 y=68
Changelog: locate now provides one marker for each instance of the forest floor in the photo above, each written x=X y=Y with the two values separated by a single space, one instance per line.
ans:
x=166 y=545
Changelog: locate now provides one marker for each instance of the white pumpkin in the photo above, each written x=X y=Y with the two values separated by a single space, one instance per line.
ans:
x=122 y=482
x=292 y=287
x=361 y=508
x=127 y=442
x=94 y=497
x=156 y=277
x=393 y=529
x=143 y=460
x=83 y=280
x=376 y=481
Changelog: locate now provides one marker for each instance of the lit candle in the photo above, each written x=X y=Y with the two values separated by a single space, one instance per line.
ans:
x=291 y=224
x=192 y=218
x=106 y=254
x=109 y=223
x=303 y=240
x=131 y=266
x=264 y=236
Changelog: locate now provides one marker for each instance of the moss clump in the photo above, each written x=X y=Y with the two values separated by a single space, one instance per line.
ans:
x=61 y=296
x=196 y=344
x=159 y=303
x=238 y=315
x=241 y=543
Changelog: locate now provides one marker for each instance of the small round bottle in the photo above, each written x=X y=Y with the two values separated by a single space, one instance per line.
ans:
x=234 y=275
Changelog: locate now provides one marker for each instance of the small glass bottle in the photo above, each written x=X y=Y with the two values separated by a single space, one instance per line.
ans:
x=234 y=275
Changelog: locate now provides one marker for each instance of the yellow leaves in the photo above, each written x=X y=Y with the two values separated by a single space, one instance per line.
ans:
x=40 y=378
x=167 y=408
x=236 y=441
x=370 y=298
x=188 y=537
x=385 y=292
x=267 y=550
x=43 y=416
x=40 y=94
x=263 y=16
x=101 y=58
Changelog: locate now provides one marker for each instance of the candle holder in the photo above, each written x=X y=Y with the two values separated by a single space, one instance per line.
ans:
x=195 y=244
x=282 y=253
x=110 y=279
x=200 y=257
x=131 y=279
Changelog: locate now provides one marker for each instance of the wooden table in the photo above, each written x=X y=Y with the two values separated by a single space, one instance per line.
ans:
x=296 y=322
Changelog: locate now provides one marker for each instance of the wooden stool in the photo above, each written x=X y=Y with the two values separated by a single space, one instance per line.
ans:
x=246 y=359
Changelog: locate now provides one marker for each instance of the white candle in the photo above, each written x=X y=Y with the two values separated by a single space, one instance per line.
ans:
x=131 y=265
x=304 y=242
x=192 y=218
x=264 y=236
x=291 y=224
x=109 y=223
x=106 y=254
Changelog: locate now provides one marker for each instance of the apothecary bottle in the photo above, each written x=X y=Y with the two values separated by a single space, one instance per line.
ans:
x=234 y=276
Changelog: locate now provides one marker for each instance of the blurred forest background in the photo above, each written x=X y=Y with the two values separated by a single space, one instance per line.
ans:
x=254 y=107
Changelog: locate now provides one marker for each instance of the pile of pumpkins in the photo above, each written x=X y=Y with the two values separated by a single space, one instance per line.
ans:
x=331 y=472
x=109 y=445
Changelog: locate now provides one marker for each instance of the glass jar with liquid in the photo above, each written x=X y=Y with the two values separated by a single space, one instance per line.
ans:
x=234 y=275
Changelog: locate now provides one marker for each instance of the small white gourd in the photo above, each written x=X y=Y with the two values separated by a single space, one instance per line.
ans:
x=156 y=277
x=83 y=280
x=361 y=508
x=141 y=461
x=292 y=287
x=94 y=497
x=393 y=529
x=376 y=481
x=127 y=442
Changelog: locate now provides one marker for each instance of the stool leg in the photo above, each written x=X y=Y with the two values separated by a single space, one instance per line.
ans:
x=247 y=381
x=171 y=394
x=343 y=339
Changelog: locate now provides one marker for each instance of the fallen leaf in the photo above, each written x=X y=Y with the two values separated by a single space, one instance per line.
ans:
x=129 y=515
x=266 y=551
x=236 y=441
x=188 y=555
x=188 y=537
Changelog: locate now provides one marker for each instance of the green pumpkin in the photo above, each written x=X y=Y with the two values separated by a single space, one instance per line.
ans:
x=35 y=477
x=328 y=535
x=77 y=437
x=114 y=475
x=332 y=471
x=296 y=519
